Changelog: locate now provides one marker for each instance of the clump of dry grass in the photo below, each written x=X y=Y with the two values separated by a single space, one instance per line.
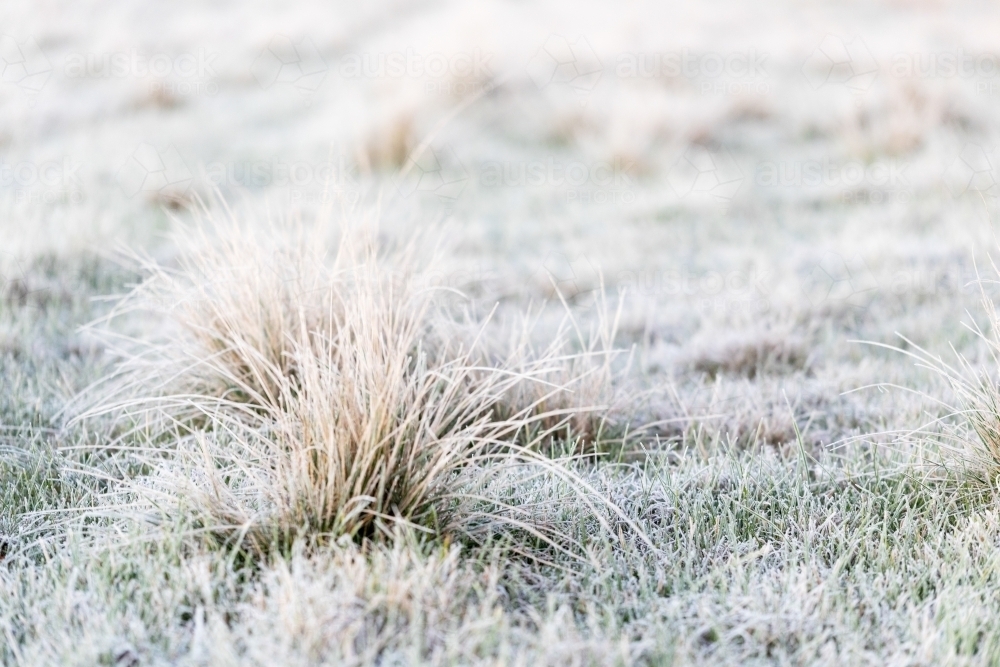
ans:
x=306 y=392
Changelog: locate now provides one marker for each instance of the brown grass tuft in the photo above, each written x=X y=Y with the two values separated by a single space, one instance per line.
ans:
x=301 y=391
x=758 y=353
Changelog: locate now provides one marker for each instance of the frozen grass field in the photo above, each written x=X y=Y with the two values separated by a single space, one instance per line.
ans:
x=495 y=333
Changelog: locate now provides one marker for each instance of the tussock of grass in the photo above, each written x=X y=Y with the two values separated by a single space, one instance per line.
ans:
x=306 y=393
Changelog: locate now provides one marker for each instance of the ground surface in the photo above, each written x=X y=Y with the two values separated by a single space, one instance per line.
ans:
x=764 y=184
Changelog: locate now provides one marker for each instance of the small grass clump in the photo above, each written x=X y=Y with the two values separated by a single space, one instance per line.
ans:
x=752 y=355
